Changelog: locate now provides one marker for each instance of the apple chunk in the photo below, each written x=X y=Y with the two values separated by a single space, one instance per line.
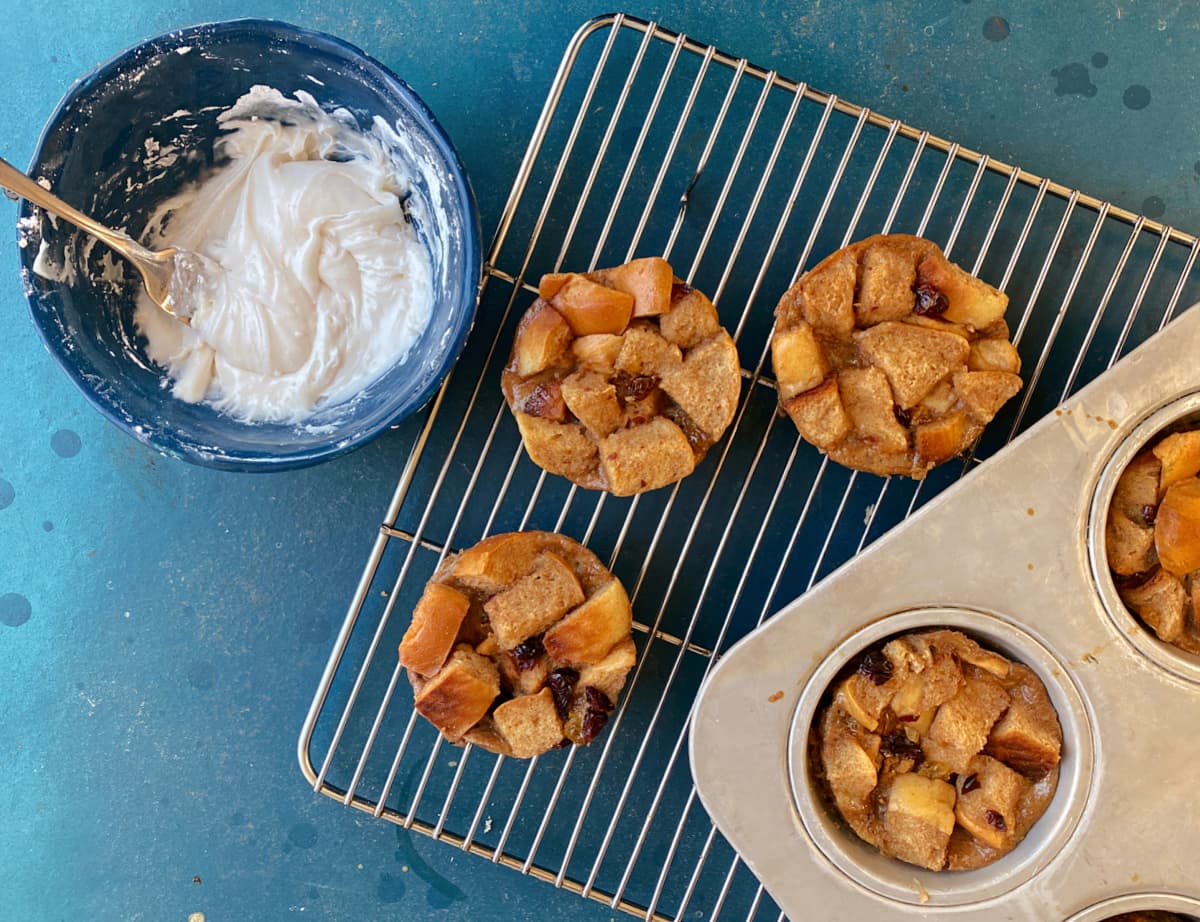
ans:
x=543 y=337
x=1177 y=528
x=975 y=303
x=593 y=308
x=649 y=280
x=798 y=361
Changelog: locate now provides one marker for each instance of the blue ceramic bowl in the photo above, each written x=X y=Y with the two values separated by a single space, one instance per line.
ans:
x=95 y=154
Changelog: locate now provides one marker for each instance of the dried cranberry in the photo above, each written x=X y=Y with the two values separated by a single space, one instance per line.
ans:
x=953 y=779
x=899 y=745
x=876 y=667
x=929 y=301
x=561 y=683
x=902 y=416
x=1133 y=580
x=526 y=654
x=996 y=820
x=596 y=714
x=546 y=401
x=634 y=387
x=970 y=783
x=679 y=289
x=1149 y=514
x=562 y=743
x=909 y=718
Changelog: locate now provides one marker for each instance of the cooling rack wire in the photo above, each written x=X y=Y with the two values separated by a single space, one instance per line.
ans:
x=652 y=143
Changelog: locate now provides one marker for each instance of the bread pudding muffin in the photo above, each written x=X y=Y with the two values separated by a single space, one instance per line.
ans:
x=520 y=644
x=891 y=359
x=938 y=752
x=1152 y=538
x=621 y=379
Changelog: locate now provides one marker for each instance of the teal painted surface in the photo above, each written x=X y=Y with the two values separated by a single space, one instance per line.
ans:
x=163 y=627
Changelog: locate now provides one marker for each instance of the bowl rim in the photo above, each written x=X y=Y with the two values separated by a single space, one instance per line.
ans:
x=256 y=461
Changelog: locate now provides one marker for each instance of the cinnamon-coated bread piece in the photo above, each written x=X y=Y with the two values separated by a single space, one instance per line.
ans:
x=541 y=649
x=621 y=379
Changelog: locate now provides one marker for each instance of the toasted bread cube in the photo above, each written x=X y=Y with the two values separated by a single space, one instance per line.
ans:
x=914 y=358
x=983 y=393
x=534 y=602
x=493 y=564
x=1028 y=737
x=988 y=806
x=941 y=438
x=645 y=457
x=929 y=689
x=649 y=280
x=868 y=402
x=460 y=693
x=972 y=302
x=435 y=623
x=994 y=354
x=691 y=320
x=1129 y=544
x=588 y=633
x=593 y=308
x=598 y=351
x=941 y=326
x=961 y=727
x=552 y=283
x=707 y=384
x=542 y=339
x=820 y=415
x=645 y=352
x=561 y=448
x=608 y=675
x=885 y=286
x=485 y=735
x=827 y=302
x=849 y=769
x=918 y=820
x=863 y=700
x=529 y=724
x=1179 y=454
x=1137 y=486
x=590 y=396
x=1177 y=528
x=1161 y=602
x=798 y=361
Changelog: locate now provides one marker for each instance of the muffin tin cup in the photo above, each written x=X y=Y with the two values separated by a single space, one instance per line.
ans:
x=1132 y=902
x=1183 y=664
x=1003 y=555
x=861 y=862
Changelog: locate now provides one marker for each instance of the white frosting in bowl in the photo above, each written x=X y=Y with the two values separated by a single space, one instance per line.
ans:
x=319 y=284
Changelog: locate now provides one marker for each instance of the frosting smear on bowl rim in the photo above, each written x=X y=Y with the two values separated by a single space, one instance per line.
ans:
x=316 y=281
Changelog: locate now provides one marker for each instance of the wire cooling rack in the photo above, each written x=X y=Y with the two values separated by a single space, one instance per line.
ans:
x=651 y=143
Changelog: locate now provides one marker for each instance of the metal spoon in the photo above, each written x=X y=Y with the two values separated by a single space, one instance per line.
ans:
x=169 y=275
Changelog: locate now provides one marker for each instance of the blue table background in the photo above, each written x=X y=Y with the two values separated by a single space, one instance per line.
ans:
x=163 y=627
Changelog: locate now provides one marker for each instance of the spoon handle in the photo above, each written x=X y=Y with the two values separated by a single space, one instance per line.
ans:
x=18 y=183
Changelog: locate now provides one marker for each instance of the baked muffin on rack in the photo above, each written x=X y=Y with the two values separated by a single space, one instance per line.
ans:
x=520 y=644
x=1153 y=538
x=621 y=379
x=891 y=359
x=938 y=752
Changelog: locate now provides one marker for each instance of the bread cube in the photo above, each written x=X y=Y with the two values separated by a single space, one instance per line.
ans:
x=608 y=675
x=541 y=340
x=820 y=415
x=645 y=352
x=598 y=351
x=593 y=308
x=914 y=358
x=561 y=448
x=983 y=393
x=1179 y=454
x=994 y=354
x=885 y=286
x=459 y=695
x=972 y=302
x=649 y=280
x=530 y=724
x=798 y=361
x=868 y=401
x=691 y=320
x=940 y=439
x=1028 y=737
x=918 y=820
x=534 y=602
x=588 y=633
x=1161 y=602
x=645 y=457
x=707 y=384
x=593 y=400
x=435 y=623
x=988 y=801
x=961 y=727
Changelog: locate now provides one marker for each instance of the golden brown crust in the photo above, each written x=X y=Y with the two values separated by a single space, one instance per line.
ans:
x=541 y=650
x=938 y=752
x=621 y=379
x=1152 y=537
x=889 y=358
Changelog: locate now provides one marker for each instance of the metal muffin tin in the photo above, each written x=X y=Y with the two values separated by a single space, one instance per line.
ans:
x=1013 y=555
